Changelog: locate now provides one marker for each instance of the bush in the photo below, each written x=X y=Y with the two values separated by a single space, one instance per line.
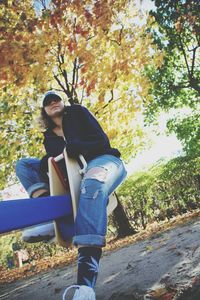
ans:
x=164 y=191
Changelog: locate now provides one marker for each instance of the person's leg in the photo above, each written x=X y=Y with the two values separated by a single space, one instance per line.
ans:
x=28 y=172
x=102 y=176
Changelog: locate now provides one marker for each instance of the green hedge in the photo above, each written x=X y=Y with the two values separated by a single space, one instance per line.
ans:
x=164 y=191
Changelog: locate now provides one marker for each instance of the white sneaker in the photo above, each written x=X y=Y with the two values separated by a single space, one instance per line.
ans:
x=43 y=232
x=83 y=292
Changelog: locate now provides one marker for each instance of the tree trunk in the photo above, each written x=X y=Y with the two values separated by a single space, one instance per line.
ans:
x=121 y=221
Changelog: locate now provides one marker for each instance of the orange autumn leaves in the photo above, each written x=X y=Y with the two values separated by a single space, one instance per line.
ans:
x=95 y=52
x=109 y=47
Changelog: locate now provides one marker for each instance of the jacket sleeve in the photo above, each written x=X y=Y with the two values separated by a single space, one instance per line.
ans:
x=44 y=167
x=53 y=146
x=93 y=139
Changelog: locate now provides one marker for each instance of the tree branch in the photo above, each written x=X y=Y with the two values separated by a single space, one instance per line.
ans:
x=74 y=72
x=62 y=86
x=184 y=55
x=60 y=58
x=187 y=85
x=82 y=95
x=73 y=79
x=107 y=104
x=193 y=59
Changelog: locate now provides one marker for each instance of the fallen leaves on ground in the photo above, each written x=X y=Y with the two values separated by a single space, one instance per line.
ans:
x=162 y=293
x=166 y=292
x=44 y=264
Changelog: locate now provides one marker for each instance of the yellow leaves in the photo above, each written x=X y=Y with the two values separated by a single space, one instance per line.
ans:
x=113 y=133
x=151 y=22
x=116 y=117
x=90 y=87
x=9 y=2
x=149 y=248
x=179 y=25
x=111 y=48
x=101 y=96
x=38 y=265
x=162 y=293
x=101 y=34
x=159 y=59
x=14 y=51
x=189 y=19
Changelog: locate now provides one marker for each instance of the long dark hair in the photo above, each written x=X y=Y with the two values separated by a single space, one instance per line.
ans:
x=45 y=121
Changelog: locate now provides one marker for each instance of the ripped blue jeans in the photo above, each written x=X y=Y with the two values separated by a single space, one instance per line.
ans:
x=102 y=176
x=28 y=172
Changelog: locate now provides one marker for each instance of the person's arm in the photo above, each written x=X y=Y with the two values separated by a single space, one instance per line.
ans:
x=44 y=167
x=94 y=139
x=54 y=146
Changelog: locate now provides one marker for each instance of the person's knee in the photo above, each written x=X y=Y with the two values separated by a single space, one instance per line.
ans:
x=98 y=173
x=93 y=184
x=20 y=165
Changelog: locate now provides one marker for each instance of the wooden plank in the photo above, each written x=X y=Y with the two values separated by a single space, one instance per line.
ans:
x=64 y=228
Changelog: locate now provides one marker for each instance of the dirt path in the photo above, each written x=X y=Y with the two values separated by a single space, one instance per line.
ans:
x=165 y=266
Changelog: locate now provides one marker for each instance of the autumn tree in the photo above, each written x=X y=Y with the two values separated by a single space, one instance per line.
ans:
x=93 y=52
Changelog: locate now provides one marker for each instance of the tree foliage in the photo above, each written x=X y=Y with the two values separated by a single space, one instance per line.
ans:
x=20 y=135
x=188 y=131
x=164 y=191
x=93 y=52
x=176 y=83
x=176 y=32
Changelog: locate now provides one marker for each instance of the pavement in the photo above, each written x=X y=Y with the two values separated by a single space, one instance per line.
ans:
x=164 y=266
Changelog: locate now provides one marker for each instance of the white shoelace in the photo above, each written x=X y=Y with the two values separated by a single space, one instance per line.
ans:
x=67 y=289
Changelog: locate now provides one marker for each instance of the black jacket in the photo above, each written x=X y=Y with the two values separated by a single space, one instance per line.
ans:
x=83 y=135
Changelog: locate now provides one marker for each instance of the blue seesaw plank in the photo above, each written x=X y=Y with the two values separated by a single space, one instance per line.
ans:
x=18 y=214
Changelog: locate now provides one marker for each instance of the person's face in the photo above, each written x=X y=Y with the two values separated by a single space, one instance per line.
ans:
x=54 y=108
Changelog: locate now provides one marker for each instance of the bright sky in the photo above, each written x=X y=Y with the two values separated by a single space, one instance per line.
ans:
x=163 y=146
x=145 y=4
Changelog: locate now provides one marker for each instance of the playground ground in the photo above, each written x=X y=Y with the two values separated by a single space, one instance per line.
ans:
x=164 y=266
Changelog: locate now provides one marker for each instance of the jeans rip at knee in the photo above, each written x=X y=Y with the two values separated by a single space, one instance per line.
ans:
x=93 y=181
x=98 y=173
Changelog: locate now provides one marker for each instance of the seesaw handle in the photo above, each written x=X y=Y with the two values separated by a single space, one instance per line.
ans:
x=59 y=157
x=83 y=161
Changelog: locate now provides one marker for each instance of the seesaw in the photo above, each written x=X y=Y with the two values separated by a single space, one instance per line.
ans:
x=60 y=207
